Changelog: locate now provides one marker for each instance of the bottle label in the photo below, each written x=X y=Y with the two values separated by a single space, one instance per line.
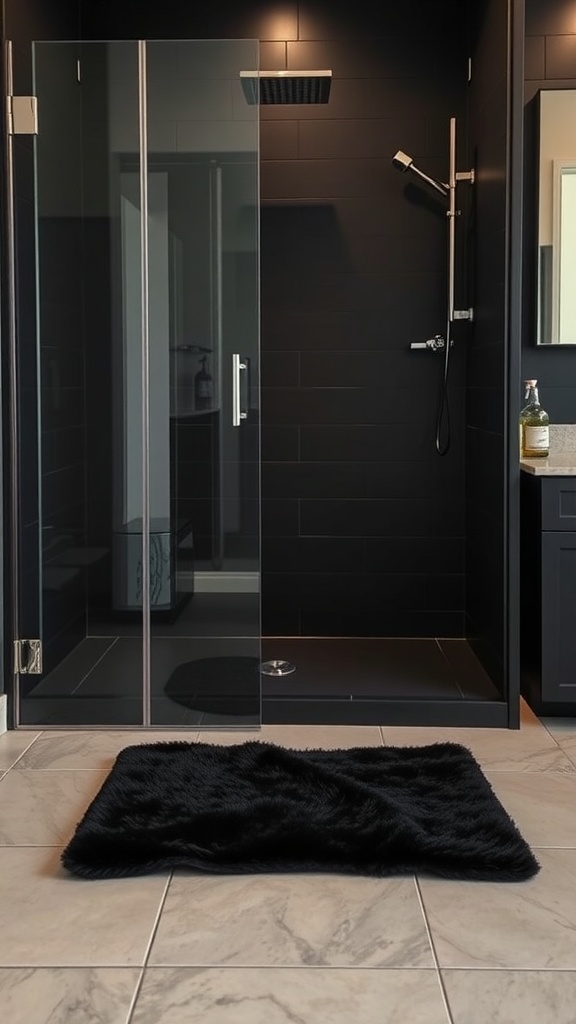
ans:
x=537 y=438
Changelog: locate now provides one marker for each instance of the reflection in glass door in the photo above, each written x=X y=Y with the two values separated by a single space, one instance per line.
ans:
x=138 y=388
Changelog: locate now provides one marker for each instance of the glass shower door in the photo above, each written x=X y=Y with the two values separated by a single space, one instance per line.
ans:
x=202 y=176
x=138 y=388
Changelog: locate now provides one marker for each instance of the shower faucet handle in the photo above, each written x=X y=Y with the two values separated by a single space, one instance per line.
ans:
x=433 y=344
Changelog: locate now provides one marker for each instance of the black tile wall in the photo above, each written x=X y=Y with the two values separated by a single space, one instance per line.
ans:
x=353 y=271
x=560 y=56
x=550 y=17
x=25 y=20
x=550 y=64
x=107 y=19
x=485 y=502
x=534 y=57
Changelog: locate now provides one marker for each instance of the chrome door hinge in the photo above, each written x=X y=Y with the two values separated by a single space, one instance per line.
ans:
x=28 y=657
x=22 y=115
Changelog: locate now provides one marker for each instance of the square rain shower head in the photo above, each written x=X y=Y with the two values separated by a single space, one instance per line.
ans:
x=286 y=86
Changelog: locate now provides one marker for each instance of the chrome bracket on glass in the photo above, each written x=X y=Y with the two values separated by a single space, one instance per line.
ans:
x=22 y=115
x=238 y=414
x=28 y=657
x=463 y=314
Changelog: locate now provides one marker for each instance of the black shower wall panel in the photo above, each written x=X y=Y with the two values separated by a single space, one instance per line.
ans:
x=353 y=259
x=486 y=429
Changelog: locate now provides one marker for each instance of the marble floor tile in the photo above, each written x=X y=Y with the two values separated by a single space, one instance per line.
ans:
x=560 y=726
x=57 y=995
x=301 y=737
x=543 y=805
x=228 y=737
x=13 y=744
x=290 y=996
x=92 y=749
x=530 y=749
x=564 y=732
x=522 y=925
x=292 y=920
x=511 y=997
x=43 y=808
x=52 y=919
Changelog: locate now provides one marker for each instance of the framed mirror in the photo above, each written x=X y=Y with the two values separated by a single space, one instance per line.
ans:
x=556 y=237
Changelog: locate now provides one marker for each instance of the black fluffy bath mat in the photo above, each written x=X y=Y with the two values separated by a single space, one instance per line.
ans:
x=256 y=807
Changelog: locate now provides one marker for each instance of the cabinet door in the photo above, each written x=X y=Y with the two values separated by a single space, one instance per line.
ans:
x=558 y=616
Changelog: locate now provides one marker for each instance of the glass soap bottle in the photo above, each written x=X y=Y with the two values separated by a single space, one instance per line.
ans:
x=534 y=426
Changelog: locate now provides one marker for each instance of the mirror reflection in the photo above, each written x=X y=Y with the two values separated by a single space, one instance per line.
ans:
x=557 y=218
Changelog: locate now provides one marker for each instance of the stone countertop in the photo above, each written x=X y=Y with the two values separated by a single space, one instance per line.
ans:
x=557 y=464
x=562 y=458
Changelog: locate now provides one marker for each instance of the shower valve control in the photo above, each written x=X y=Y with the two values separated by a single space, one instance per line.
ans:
x=433 y=344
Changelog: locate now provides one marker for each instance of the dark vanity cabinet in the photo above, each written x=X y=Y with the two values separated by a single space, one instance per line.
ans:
x=548 y=593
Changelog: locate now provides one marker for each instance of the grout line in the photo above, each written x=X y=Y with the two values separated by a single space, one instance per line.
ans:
x=557 y=742
x=305 y=967
x=433 y=950
x=71 y=768
x=514 y=970
x=138 y=988
x=451 y=670
x=135 y=995
x=157 y=920
x=32 y=741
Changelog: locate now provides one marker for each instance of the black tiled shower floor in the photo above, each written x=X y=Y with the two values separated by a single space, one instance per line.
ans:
x=401 y=668
x=101 y=679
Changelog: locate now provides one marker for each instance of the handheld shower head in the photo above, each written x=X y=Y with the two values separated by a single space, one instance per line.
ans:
x=402 y=162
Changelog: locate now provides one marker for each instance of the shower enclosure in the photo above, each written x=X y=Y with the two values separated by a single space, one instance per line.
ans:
x=135 y=386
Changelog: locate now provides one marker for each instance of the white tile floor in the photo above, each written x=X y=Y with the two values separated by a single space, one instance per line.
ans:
x=279 y=949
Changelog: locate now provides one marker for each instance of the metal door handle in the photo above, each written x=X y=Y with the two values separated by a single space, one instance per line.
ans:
x=432 y=344
x=237 y=412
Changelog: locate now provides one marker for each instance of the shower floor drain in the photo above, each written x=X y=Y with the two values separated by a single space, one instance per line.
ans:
x=277 y=668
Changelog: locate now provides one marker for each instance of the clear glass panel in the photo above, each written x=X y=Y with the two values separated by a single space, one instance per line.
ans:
x=204 y=300
x=80 y=391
